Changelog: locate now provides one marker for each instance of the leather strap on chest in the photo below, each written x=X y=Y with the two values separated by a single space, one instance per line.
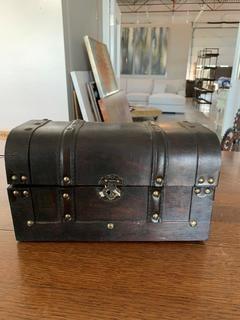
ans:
x=158 y=174
x=18 y=143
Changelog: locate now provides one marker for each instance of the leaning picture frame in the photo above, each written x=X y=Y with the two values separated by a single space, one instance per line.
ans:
x=101 y=67
x=79 y=80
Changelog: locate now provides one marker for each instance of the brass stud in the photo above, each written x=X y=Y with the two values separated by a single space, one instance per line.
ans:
x=201 y=180
x=193 y=223
x=197 y=190
x=30 y=223
x=23 y=178
x=66 y=196
x=25 y=193
x=66 y=179
x=211 y=180
x=16 y=193
x=110 y=226
x=208 y=191
x=156 y=194
x=14 y=177
x=68 y=217
x=155 y=218
x=159 y=180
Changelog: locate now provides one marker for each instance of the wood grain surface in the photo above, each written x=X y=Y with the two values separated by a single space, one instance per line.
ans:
x=127 y=280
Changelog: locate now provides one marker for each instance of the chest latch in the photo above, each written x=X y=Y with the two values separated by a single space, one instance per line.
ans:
x=111 y=187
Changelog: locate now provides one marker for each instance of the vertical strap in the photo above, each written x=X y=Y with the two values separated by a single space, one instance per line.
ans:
x=67 y=204
x=20 y=200
x=209 y=154
x=207 y=173
x=67 y=153
x=68 y=170
x=17 y=152
x=158 y=173
x=159 y=155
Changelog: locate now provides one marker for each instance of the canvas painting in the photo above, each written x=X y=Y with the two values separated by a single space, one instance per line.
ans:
x=142 y=53
x=144 y=50
x=159 y=50
x=79 y=80
x=127 y=50
x=101 y=67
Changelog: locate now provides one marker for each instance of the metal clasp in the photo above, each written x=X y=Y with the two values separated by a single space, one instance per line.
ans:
x=111 y=189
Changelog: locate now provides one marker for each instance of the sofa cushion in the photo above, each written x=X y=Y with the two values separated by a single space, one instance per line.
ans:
x=159 y=87
x=166 y=98
x=139 y=85
x=173 y=86
x=138 y=97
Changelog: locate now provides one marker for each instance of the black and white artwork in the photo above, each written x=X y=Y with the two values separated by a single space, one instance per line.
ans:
x=144 y=50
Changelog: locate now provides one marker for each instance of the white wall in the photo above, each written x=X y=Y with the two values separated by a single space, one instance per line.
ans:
x=32 y=62
x=80 y=18
x=112 y=32
x=223 y=38
x=233 y=102
x=178 y=50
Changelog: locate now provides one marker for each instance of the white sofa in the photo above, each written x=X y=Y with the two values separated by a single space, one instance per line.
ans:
x=167 y=95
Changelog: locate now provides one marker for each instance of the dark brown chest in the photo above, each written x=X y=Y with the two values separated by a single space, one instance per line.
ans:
x=111 y=182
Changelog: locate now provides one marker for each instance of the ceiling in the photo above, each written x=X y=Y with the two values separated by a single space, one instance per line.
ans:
x=163 y=6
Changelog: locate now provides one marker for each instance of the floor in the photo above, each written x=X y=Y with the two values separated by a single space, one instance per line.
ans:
x=193 y=114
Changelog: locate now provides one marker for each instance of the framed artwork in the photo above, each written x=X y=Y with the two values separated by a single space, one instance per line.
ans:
x=80 y=80
x=144 y=50
x=115 y=108
x=101 y=67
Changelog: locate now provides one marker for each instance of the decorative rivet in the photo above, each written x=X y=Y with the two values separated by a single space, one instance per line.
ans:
x=68 y=217
x=193 y=223
x=30 y=223
x=16 y=193
x=156 y=194
x=201 y=180
x=66 y=179
x=23 y=178
x=210 y=180
x=25 y=193
x=66 y=196
x=208 y=191
x=110 y=226
x=14 y=177
x=197 y=190
x=159 y=180
x=155 y=218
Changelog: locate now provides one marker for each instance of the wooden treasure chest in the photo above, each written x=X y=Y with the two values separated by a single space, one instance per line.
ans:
x=81 y=181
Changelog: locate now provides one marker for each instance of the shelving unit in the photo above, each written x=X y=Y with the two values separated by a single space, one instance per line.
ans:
x=205 y=75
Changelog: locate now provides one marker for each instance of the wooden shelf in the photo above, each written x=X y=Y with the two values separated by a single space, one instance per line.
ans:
x=209 y=68
x=202 y=101
x=203 y=90
x=205 y=79
x=210 y=55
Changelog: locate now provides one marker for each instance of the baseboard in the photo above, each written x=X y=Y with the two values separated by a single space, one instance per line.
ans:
x=3 y=135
